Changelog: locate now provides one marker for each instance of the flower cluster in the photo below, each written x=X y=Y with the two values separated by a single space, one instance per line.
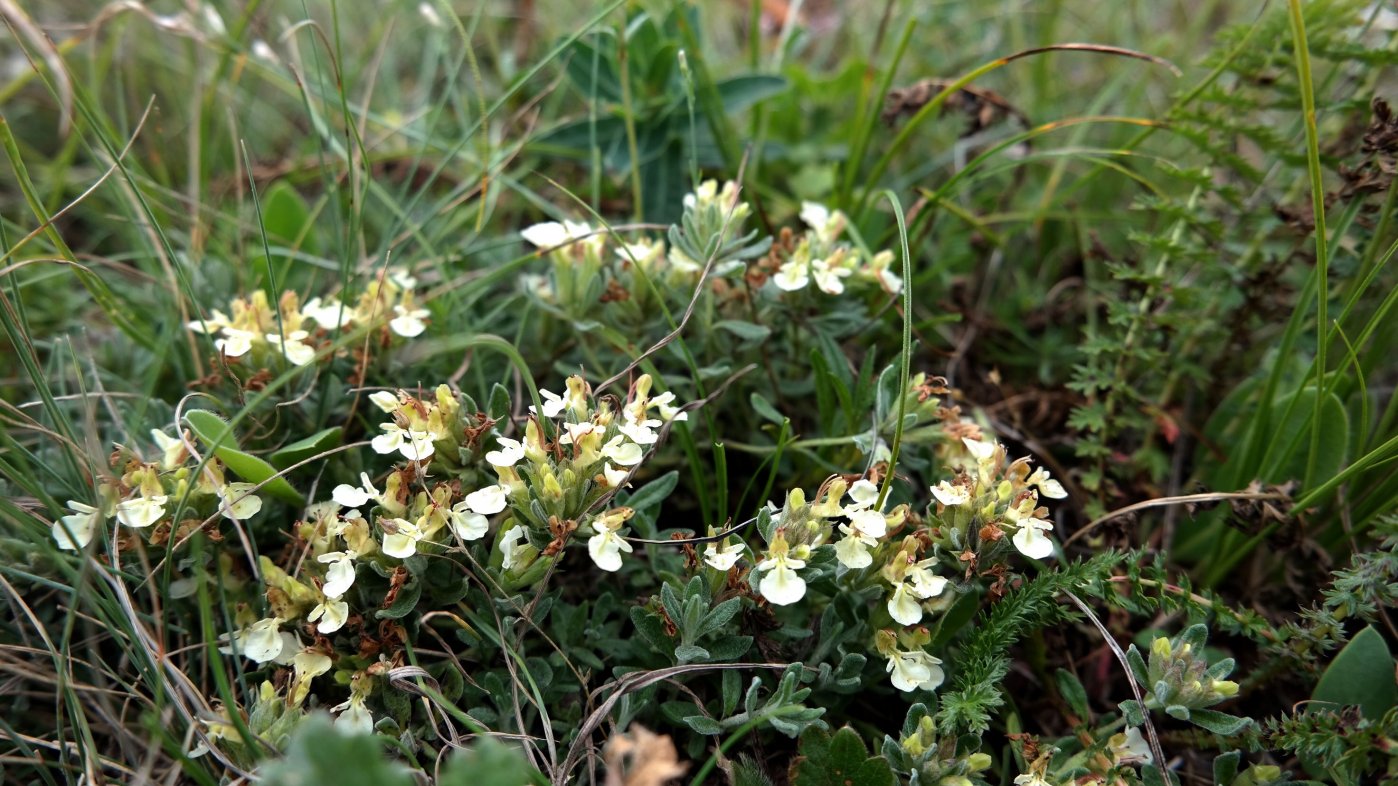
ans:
x=848 y=525
x=144 y=496
x=291 y=330
x=575 y=453
x=818 y=257
x=992 y=497
x=1180 y=675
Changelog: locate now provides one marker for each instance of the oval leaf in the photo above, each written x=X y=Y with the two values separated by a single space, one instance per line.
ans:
x=215 y=433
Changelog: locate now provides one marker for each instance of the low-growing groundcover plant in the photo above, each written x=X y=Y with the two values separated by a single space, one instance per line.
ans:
x=658 y=392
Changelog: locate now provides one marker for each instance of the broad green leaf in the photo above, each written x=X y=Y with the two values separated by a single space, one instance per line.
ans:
x=740 y=92
x=212 y=430
x=287 y=219
x=303 y=449
x=1293 y=437
x=1361 y=674
x=747 y=331
x=319 y=754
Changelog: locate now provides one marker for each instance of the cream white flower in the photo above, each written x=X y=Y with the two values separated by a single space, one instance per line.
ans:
x=573 y=432
x=508 y=454
x=293 y=345
x=339 y=575
x=385 y=400
x=1030 y=539
x=215 y=322
x=644 y=253
x=722 y=558
x=665 y=407
x=409 y=322
x=489 y=500
x=793 y=275
x=466 y=523
x=235 y=343
x=1131 y=748
x=982 y=451
x=141 y=512
x=329 y=313
x=951 y=495
x=781 y=585
x=354 y=717
x=864 y=493
x=509 y=543
x=236 y=501
x=606 y=546
x=909 y=671
x=75 y=531
x=402 y=541
x=310 y=664
x=827 y=224
x=172 y=449
x=861 y=534
x=642 y=432
x=352 y=497
x=414 y=445
x=926 y=583
x=552 y=234
x=260 y=642
x=881 y=268
x=613 y=476
x=306 y=665
x=828 y=277
x=627 y=454
x=904 y=606
x=1032 y=779
x=402 y=278
x=1050 y=487
x=331 y=613
x=553 y=403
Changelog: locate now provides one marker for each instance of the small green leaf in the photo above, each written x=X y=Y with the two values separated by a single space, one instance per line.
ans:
x=303 y=449
x=690 y=653
x=1073 y=693
x=1362 y=675
x=703 y=724
x=838 y=760
x=499 y=407
x=747 y=331
x=404 y=602
x=1131 y=711
x=1226 y=767
x=212 y=430
x=1218 y=722
x=764 y=408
